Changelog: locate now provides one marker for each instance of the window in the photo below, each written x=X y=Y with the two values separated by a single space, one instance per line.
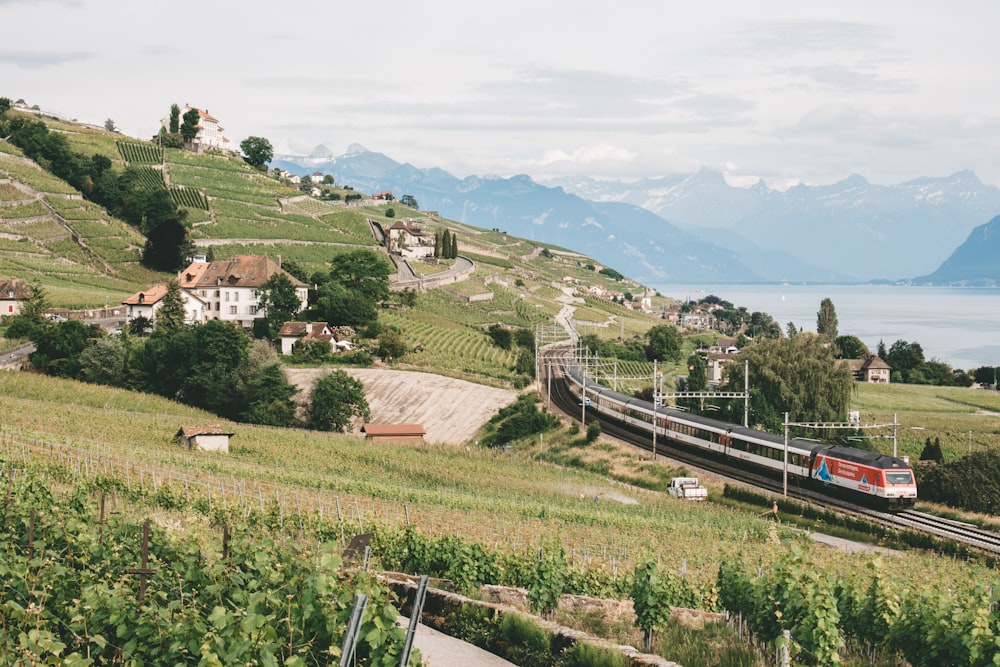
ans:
x=253 y=310
x=898 y=477
x=227 y=296
x=232 y=310
x=236 y=296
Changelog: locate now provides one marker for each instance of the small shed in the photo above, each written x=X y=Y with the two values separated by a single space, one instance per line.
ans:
x=209 y=437
x=394 y=433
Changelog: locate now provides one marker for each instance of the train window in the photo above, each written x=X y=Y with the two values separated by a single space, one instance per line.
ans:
x=903 y=477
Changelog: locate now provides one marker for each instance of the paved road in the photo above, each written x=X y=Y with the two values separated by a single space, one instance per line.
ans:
x=439 y=650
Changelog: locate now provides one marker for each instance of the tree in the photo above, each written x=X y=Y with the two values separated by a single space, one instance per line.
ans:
x=175 y=119
x=171 y=316
x=105 y=362
x=390 y=213
x=664 y=343
x=341 y=306
x=268 y=397
x=257 y=151
x=850 y=347
x=140 y=326
x=365 y=272
x=985 y=375
x=58 y=348
x=109 y=125
x=791 y=330
x=391 y=344
x=501 y=336
x=905 y=358
x=279 y=302
x=409 y=200
x=336 y=399
x=189 y=128
x=826 y=319
x=697 y=379
x=795 y=375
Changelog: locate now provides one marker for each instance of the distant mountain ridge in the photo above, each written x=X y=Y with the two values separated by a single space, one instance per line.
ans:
x=696 y=228
x=975 y=263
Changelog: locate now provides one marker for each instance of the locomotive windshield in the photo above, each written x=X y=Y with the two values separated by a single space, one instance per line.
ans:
x=904 y=477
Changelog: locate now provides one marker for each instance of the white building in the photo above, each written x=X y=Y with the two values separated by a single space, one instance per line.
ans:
x=147 y=302
x=210 y=133
x=230 y=288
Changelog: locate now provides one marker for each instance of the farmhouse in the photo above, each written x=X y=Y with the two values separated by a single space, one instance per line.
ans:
x=394 y=433
x=13 y=291
x=292 y=332
x=147 y=302
x=870 y=369
x=230 y=289
x=209 y=437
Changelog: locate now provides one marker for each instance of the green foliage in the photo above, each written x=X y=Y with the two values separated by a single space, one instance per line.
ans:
x=826 y=320
x=74 y=602
x=391 y=345
x=501 y=336
x=189 y=126
x=593 y=431
x=520 y=419
x=611 y=273
x=795 y=375
x=664 y=343
x=279 y=301
x=850 y=347
x=336 y=399
x=653 y=593
x=257 y=151
x=547 y=580
x=971 y=483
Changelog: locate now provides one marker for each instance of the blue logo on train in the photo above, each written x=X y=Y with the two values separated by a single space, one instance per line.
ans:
x=822 y=473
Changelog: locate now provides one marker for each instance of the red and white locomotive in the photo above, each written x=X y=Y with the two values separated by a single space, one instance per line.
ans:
x=878 y=480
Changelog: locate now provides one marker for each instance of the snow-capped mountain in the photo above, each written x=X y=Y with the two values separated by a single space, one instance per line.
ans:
x=696 y=227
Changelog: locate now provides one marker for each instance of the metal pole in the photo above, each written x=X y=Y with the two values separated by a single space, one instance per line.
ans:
x=746 y=394
x=784 y=481
x=583 y=402
x=895 y=434
x=655 y=399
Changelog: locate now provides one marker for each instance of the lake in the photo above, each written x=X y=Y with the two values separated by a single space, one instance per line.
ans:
x=959 y=326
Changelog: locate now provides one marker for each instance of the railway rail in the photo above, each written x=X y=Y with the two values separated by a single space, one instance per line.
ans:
x=947 y=529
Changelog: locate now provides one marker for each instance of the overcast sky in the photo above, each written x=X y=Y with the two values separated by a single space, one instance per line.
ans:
x=785 y=91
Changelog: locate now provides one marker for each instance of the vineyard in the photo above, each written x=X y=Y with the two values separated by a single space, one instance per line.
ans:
x=86 y=586
x=188 y=198
x=139 y=152
x=150 y=177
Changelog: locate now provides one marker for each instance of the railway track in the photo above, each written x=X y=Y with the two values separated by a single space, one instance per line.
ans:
x=947 y=529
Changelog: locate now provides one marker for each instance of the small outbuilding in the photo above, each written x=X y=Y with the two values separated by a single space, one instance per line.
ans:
x=394 y=433
x=209 y=437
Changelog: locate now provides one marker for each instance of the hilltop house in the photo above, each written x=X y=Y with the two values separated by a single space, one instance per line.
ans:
x=292 y=332
x=210 y=133
x=230 y=289
x=13 y=292
x=409 y=240
x=870 y=369
x=147 y=302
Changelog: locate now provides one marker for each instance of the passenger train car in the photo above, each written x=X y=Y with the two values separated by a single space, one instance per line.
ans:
x=877 y=480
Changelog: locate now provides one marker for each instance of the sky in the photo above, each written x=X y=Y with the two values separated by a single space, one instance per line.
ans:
x=787 y=92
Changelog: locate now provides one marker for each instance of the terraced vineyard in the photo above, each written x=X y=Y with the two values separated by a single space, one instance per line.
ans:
x=140 y=152
x=188 y=198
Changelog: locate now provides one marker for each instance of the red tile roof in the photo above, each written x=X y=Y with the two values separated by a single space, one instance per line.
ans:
x=393 y=429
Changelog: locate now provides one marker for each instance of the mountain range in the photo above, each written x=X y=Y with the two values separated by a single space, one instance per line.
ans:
x=696 y=228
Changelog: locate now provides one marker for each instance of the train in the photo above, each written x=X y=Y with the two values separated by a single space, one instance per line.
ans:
x=875 y=480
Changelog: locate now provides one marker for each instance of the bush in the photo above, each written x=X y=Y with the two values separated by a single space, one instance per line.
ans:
x=593 y=431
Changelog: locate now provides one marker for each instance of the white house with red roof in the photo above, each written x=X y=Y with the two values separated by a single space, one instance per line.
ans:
x=230 y=288
x=146 y=302
x=13 y=292
x=210 y=133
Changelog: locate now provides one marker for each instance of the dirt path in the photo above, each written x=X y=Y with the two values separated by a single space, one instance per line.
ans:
x=450 y=410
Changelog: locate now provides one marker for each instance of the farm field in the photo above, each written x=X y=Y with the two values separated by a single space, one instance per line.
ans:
x=502 y=498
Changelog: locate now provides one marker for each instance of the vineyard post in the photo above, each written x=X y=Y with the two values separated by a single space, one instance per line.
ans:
x=143 y=571
x=31 y=535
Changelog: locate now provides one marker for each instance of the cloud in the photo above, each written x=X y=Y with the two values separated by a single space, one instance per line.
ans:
x=587 y=155
x=862 y=78
x=36 y=59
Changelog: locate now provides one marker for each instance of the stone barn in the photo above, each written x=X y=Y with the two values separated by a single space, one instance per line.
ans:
x=210 y=438
x=394 y=433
